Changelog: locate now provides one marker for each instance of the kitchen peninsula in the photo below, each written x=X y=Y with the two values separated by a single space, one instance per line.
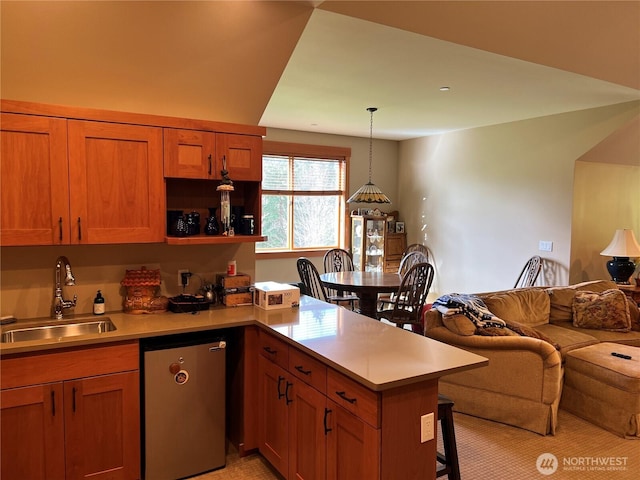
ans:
x=374 y=381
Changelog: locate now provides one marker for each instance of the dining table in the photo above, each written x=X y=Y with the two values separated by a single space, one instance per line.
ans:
x=366 y=285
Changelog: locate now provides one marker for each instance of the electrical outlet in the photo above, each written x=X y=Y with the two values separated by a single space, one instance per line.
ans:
x=183 y=277
x=426 y=427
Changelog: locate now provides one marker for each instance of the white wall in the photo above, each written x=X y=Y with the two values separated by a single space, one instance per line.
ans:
x=483 y=198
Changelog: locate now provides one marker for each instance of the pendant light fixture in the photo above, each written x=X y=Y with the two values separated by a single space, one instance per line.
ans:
x=369 y=193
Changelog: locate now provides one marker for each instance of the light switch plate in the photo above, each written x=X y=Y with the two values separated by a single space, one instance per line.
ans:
x=426 y=427
x=545 y=246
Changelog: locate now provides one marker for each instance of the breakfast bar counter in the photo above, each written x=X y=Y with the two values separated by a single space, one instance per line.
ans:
x=378 y=355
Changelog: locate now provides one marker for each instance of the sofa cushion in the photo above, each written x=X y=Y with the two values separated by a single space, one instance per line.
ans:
x=567 y=337
x=526 y=306
x=625 y=338
x=607 y=310
x=561 y=298
x=459 y=324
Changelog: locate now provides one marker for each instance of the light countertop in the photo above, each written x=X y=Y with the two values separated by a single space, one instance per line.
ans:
x=377 y=355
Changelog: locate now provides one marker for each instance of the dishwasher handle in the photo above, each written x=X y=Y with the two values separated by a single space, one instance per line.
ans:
x=218 y=346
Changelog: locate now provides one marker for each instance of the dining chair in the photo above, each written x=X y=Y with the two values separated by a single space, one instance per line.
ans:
x=410 y=298
x=410 y=259
x=310 y=278
x=386 y=300
x=416 y=247
x=529 y=273
x=339 y=260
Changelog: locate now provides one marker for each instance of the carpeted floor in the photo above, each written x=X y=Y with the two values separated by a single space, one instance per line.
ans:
x=493 y=451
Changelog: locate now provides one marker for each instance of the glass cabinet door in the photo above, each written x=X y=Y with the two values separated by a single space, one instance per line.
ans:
x=367 y=243
x=357 y=242
x=374 y=245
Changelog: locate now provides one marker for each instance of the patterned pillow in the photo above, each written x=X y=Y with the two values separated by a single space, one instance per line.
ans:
x=607 y=310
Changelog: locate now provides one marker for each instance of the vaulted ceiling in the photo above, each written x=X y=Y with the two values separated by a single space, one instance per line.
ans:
x=317 y=66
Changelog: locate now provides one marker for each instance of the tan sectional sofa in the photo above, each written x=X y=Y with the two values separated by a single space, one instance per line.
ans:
x=522 y=385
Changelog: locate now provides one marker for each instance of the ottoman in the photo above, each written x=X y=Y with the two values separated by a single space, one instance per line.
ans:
x=604 y=389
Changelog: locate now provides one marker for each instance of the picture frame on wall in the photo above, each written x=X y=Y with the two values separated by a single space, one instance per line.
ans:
x=399 y=227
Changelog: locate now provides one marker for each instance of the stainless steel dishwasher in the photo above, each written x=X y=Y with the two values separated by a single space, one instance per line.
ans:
x=184 y=405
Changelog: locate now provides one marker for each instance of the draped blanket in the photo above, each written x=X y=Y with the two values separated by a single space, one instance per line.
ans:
x=470 y=306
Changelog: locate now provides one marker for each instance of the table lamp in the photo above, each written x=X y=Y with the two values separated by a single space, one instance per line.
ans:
x=623 y=246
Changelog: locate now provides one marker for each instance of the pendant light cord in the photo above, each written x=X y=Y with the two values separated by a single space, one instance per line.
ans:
x=371 y=110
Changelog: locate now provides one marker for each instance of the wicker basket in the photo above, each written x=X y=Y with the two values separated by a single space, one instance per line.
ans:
x=142 y=287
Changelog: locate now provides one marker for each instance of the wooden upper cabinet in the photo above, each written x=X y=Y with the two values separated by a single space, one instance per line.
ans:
x=200 y=155
x=189 y=154
x=34 y=181
x=243 y=155
x=117 y=187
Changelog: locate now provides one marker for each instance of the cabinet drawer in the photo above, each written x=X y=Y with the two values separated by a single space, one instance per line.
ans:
x=354 y=397
x=392 y=266
x=66 y=364
x=275 y=350
x=308 y=369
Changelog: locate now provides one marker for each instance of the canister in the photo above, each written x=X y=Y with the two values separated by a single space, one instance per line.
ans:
x=246 y=225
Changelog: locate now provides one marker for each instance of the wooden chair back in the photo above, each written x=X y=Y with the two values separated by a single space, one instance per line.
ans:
x=411 y=296
x=310 y=278
x=529 y=273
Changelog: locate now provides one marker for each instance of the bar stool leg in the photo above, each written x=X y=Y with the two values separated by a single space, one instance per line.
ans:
x=450 y=457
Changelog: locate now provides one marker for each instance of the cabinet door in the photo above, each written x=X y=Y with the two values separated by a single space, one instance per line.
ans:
x=274 y=422
x=32 y=425
x=102 y=419
x=117 y=188
x=189 y=154
x=34 y=185
x=243 y=156
x=308 y=417
x=353 y=446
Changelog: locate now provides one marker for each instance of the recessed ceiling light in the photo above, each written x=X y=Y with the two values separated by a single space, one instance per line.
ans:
x=445 y=89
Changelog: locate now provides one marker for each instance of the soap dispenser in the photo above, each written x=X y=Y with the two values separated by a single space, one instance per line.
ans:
x=98 y=304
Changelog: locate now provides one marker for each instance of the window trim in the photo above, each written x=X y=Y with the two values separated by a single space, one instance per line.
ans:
x=310 y=151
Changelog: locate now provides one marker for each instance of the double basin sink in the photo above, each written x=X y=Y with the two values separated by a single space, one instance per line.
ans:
x=57 y=329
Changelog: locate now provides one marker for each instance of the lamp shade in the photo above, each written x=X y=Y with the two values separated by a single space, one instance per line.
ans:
x=624 y=244
x=368 y=193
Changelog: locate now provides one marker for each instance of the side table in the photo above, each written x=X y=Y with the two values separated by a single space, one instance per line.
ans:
x=631 y=291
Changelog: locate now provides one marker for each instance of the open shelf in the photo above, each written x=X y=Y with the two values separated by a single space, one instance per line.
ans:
x=214 y=239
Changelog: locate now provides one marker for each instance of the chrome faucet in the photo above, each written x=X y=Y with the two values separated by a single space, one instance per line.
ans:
x=59 y=303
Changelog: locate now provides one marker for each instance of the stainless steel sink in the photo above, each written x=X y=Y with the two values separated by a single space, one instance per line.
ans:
x=58 y=330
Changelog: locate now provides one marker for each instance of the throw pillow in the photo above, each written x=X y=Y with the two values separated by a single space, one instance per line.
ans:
x=459 y=324
x=529 y=306
x=562 y=298
x=607 y=310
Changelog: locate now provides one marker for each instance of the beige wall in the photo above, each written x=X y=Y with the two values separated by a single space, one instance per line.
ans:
x=606 y=198
x=483 y=198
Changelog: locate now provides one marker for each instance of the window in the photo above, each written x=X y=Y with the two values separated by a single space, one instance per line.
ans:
x=303 y=197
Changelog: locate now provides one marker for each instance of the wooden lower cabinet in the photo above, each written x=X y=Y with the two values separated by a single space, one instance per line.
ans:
x=304 y=434
x=87 y=427
x=353 y=446
x=32 y=425
x=317 y=424
x=294 y=416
